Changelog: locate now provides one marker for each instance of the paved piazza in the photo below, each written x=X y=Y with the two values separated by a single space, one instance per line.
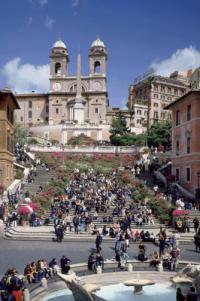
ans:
x=19 y=253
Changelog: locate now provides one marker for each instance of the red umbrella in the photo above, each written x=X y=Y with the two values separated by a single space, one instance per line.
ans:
x=23 y=210
x=177 y=212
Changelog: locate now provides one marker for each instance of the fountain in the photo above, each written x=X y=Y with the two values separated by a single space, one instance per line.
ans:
x=138 y=284
x=118 y=286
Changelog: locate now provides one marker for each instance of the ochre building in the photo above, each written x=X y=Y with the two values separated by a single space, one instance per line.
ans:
x=185 y=140
x=8 y=104
x=148 y=98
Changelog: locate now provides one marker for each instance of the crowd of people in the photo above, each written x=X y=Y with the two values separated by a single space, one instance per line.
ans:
x=13 y=284
x=92 y=197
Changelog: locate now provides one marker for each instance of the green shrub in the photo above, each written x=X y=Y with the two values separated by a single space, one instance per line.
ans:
x=19 y=174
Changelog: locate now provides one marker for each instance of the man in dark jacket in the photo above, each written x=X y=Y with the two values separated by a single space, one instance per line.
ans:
x=65 y=264
x=196 y=224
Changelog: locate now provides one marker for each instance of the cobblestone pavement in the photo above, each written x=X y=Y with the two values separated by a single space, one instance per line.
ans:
x=18 y=253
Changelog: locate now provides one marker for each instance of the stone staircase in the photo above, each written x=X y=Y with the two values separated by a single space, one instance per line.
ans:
x=47 y=232
x=43 y=178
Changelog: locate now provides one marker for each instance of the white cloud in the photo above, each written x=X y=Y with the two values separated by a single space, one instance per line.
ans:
x=123 y=103
x=26 y=77
x=49 y=22
x=75 y=3
x=182 y=59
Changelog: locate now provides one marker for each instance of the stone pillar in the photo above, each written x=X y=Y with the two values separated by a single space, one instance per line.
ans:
x=99 y=270
x=44 y=282
x=26 y=295
x=160 y=267
x=99 y=135
x=71 y=113
x=64 y=137
x=130 y=267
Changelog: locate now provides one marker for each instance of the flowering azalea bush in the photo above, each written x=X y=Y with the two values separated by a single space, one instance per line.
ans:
x=34 y=206
x=126 y=177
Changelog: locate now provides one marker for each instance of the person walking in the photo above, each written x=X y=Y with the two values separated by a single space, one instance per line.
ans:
x=196 y=224
x=197 y=241
x=76 y=223
x=99 y=240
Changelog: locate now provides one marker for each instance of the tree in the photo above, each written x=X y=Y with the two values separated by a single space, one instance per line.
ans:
x=118 y=125
x=160 y=134
x=20 y=135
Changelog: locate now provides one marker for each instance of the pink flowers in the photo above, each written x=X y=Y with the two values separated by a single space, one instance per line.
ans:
x=126 y=177
x=34 y=206
x=97 y=156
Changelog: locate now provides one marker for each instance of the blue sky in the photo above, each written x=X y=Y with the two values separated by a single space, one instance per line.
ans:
x=137 y=34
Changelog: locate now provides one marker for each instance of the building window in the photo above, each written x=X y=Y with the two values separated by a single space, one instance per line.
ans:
x=189 y=112
x=57 y=111
x=155 y=95
x=188 y=145
x=96 y=100
x=30 y=104
x=8 y=143
x=188 y=174
x=145 y=113
x=97 y=67
x=58 y=69
x=177 y=174
x=162 y=115
x=177 y=147
x=182 y=92
x=155 y=105
x=139 y=112
x=175 y=92
x=177 y=117
x=139 y=121
x=96 y=110
x=162 y=89
x=155 y=87
x=21 y=118
x=11 y=117
x=8 y=112
x=29 y=114
x=155 y=115
x=74 y=87
x=169 y=90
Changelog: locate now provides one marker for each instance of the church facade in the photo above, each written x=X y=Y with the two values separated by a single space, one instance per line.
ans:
x=56 y=115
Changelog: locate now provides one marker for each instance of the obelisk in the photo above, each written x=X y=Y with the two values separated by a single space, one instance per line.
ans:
x=78 y=106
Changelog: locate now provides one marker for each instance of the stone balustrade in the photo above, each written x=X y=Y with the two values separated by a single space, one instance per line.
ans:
x=85 y=149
